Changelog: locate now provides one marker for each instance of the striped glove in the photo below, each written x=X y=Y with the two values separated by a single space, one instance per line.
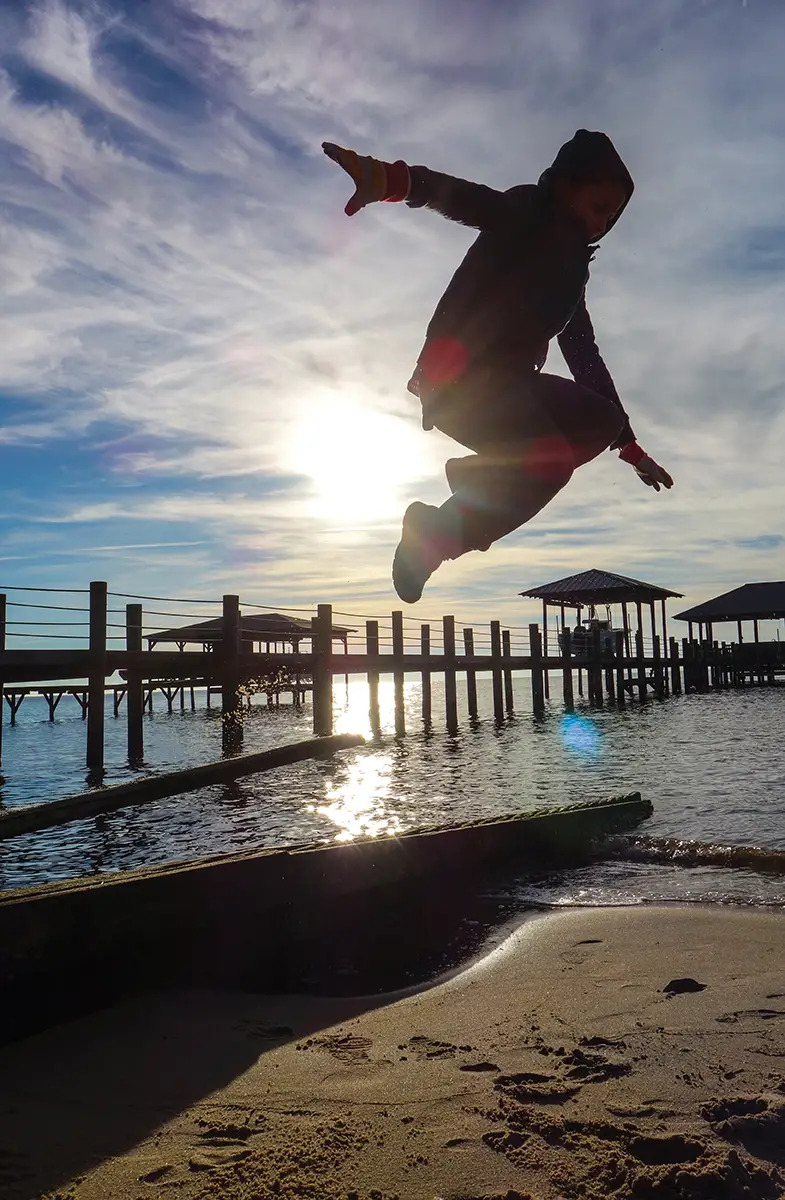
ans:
x=652 y=474
x=373 y=179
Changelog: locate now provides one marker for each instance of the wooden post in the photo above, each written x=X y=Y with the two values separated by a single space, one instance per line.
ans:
x=641 y=664
x=628 y=645
x=686 y=658
x=471 y=674
x=566 y=668
x=595 y=670
x=538 y=690
x=398 y=676
x=674 y=666
x=96 y=677
x=609 y=685
x=2 y=648
x=652 y=622
x=231 y=726
x=621 y=697
x=580 y=671
x=134 y=692
x=372 y=650
x=425 y=677
x=496 y=671
x=509 y=699
x=741 y=633
x=450 y=691
x=665 y=639
x=545 y=646
x=659 y=683
x=322 y=643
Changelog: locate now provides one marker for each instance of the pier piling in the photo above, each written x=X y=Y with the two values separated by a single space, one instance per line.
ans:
x=135 y=685
x=96 y=677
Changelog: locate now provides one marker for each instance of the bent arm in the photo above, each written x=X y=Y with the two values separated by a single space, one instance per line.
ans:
x=587 y=367
x=472 y=204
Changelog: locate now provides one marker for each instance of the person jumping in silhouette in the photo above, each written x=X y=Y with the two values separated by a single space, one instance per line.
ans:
x=479 y=375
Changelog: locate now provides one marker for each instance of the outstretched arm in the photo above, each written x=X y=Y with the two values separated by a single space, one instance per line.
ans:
x=473 y=204
x=581 y=354
x=587 y=366
x=459 y=200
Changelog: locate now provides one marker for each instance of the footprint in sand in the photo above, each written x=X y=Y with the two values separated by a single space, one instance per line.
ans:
x=751 y=1014
x=208 y=1160
x=531 y=1087
x=755 y=1123
x=424 y=1047
x=593 y=1068
x=346 y=1047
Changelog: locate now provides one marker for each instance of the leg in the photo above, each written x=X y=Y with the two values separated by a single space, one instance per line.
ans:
x=528 y=440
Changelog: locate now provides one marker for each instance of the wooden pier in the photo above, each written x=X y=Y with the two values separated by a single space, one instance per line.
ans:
x=632 y=667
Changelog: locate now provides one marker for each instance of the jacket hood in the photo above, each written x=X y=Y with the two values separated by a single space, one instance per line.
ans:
x=590 y=157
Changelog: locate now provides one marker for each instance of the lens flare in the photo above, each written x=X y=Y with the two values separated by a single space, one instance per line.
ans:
x=581 y=736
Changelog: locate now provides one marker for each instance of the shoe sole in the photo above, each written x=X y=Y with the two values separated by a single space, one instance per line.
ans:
x=409 y=594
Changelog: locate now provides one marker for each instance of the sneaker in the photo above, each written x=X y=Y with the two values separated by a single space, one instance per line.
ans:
x=418 y=553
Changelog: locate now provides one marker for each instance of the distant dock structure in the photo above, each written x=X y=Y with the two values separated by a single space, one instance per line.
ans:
x=241 y=650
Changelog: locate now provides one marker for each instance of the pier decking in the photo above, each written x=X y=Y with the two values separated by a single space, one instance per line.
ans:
x=236 y=660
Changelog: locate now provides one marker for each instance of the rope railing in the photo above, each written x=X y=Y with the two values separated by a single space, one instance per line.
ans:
x=23 y=588
x=47 y=607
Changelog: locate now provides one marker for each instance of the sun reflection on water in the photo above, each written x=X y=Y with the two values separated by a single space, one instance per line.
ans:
x=357 y=801
x=351 y=712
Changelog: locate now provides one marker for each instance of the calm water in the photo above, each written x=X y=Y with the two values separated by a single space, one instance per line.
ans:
x=713 y=766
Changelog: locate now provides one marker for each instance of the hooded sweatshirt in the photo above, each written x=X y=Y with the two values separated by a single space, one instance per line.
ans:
x=521 y=283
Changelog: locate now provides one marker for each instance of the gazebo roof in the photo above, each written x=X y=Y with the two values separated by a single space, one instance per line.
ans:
x=265 y=627
x=750 y=602
x=598 y=587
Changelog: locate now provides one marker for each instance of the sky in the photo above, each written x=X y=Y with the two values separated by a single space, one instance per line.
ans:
x=204 y=361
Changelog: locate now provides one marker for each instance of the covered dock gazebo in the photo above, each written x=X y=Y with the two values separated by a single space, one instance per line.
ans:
x=751 y=602
x=590 y=589
x=268 y=629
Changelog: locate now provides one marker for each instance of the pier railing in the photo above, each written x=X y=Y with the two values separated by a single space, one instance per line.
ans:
x=398 y=646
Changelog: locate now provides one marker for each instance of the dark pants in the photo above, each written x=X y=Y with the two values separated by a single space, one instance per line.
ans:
x=528 y=438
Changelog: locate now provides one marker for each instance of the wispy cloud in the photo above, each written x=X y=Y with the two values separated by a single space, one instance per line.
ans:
x=184 y=306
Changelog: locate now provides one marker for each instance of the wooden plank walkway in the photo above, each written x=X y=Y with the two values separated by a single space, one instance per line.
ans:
x=229 y=666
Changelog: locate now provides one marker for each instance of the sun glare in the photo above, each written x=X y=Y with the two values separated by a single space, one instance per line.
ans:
x=360 y=460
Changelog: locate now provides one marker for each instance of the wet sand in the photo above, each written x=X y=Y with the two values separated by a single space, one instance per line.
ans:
x=560 y=1065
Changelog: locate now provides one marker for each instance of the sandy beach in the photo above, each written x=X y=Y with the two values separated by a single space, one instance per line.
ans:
x=606 y=1052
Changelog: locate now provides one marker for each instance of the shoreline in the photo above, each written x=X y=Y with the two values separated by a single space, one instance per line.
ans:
x=553 y=1065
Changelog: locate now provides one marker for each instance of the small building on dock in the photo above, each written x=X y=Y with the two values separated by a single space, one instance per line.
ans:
x=591 y=590
x=265 y=631
x=752 y=602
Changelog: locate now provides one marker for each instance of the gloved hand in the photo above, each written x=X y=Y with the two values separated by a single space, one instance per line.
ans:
x=652 y=474
x=373 y=179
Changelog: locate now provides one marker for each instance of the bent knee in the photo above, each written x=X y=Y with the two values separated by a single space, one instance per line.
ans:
x=605 y=427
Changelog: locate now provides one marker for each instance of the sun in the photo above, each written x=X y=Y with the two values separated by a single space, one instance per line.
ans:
x=359 y=459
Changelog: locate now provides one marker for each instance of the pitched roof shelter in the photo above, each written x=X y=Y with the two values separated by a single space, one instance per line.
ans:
x=589 y=588
x=750 y=602
x=266 y=628
x=598 y=587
